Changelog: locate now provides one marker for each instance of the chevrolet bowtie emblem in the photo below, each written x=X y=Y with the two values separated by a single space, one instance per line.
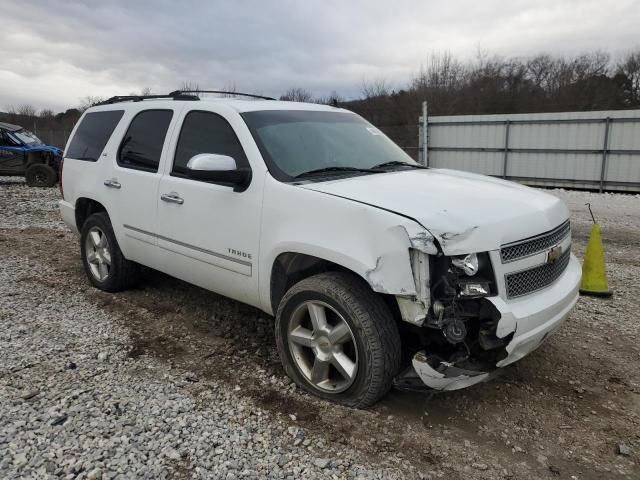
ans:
x=554 y=254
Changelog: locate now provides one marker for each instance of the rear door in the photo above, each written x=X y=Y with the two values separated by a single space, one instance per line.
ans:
x=11 y=155
x=131 y=184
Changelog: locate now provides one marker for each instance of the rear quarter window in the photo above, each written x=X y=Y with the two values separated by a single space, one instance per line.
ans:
x=92 y=135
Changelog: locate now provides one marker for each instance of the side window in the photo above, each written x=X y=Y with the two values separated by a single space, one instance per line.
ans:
x=206 y=132
x=92 y=135
x=142 y=144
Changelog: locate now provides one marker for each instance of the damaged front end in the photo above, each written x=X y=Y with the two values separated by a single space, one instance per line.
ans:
x=454 y=344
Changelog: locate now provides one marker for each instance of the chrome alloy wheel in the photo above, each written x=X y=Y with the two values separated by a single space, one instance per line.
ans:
x=98 y=253
x=323 y=347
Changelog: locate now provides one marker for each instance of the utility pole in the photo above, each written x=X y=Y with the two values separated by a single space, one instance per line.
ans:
x=425 y=135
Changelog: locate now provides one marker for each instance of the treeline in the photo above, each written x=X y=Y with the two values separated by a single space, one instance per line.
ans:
x=544 y=83
x=490 y=85
x=487 y=85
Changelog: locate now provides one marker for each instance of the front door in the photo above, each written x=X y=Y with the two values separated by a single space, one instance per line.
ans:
x=11 y=155
x=207 y=233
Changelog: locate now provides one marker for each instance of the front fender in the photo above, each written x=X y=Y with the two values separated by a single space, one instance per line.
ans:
x=373 y=243
x=52 y=156
x=56 y=152
x=13 y=149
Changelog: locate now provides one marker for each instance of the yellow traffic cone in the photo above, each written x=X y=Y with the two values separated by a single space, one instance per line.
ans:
x=594 y=275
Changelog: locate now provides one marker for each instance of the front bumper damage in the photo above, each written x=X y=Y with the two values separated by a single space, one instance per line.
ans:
x=530 y=320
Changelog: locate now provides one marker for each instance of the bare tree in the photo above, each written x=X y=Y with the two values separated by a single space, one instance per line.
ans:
x=630 y=66
x=443 y=72
x=144 y=92
x=89 y=101
x=231 y=88
x=375 y=88
x=189 y=86
x=334 y=98
x=26 y=110
x=297 y=94
x=540 y=70
x=46 y=113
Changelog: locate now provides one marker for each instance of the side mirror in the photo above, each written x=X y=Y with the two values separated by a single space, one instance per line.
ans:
x=211 y=167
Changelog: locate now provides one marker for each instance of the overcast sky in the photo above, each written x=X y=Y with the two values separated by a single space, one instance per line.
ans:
x=52 y=53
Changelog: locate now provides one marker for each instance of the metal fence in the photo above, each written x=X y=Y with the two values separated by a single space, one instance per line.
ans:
x=590 y=150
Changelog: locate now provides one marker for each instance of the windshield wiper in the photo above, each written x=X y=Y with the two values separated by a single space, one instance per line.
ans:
x=397 y=163
x=335 y=169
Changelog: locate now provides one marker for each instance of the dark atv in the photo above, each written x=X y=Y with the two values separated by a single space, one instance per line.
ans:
x=22 y=153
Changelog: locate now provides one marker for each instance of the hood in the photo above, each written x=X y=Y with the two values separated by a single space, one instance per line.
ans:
x=465 y=212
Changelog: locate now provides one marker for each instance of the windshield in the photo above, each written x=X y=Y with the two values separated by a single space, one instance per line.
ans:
x=27 y=138
x=293 y=142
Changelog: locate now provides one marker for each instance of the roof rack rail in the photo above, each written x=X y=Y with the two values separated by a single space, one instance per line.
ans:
x=222 y=92
x=177 y=95
x=139 y=98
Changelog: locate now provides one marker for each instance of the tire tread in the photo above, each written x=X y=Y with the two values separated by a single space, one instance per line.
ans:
x=379 y=328
x=52 y=176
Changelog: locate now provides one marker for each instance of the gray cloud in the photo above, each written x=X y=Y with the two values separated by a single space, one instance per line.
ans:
x=54 y=52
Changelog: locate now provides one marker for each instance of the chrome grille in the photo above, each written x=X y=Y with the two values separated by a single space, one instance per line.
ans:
x=536 y=278
x=533 y=245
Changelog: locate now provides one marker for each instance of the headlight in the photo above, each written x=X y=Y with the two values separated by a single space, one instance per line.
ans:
x=467 y=263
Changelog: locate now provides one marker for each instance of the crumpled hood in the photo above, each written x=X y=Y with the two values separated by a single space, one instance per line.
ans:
x=465 y=212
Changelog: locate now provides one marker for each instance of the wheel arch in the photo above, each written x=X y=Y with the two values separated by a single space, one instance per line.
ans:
x=85 y=207
x=34 y=157
x=290 y=267
x=41 y=157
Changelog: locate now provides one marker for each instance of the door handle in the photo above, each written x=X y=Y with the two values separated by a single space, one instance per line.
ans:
x=112 y=183
x=172 y=197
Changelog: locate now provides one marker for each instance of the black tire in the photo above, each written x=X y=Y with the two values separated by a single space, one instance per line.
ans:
x=373 y=327
x=123 y=273
x=41 y=175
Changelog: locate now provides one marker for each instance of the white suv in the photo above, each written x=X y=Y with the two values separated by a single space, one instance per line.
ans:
x=379 y=271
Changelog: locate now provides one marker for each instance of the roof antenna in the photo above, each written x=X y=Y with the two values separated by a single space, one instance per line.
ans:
x=592 y=217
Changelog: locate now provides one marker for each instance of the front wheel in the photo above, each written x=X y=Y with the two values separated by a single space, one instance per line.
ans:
x=41 y=175
x=337 y=339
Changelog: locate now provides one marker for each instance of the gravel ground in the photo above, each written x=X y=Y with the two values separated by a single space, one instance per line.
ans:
x=170 y=381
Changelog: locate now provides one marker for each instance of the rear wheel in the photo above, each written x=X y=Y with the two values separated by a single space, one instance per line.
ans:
x=104 y=263
x=337 y=339
x=41 y=175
